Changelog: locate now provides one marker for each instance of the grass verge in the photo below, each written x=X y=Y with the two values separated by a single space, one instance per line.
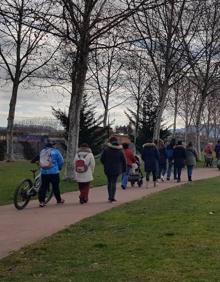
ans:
x=169 y=236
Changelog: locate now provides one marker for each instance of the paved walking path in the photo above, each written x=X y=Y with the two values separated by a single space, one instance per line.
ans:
x=21 y=228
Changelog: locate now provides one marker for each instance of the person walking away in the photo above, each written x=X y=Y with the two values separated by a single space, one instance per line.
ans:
x=84 y=166
x=217 y=153
x=191 y=158
x=179 y=156
x=170 y=150
x=150 y=156
x=130 y=159
x=162 y=160
x=51 y=162
x=114 y=163
x=208 y=154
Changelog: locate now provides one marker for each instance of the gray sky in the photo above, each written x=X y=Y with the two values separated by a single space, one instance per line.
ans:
x=36 y=103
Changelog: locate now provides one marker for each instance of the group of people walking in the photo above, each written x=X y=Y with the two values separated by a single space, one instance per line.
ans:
x=159 y=159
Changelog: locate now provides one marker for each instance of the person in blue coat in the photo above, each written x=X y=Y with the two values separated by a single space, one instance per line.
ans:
x=51 y=174
x=150 y=156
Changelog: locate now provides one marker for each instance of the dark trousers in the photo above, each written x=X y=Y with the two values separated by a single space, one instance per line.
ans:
x=84 y=190
x=154 y=173
x=112 y=180
x=163 y=169
x=178 y=172
x=46 y=179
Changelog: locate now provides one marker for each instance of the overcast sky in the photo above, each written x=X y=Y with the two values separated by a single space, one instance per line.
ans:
x=35 y=103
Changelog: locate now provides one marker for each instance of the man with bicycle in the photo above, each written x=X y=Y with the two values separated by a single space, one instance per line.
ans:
x=51 y=162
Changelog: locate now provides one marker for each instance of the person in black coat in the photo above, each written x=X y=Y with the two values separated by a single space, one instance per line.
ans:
x=114 y=163
x=150 y=156
x=179 y=156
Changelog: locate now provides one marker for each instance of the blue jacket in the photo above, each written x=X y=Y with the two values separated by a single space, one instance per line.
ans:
x=57 y=161
x=150 y=156
x=169 y=152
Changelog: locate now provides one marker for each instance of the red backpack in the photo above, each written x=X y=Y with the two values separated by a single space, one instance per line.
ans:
x=80 y=165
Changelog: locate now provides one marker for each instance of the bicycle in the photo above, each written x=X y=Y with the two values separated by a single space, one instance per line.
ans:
x=28 y=189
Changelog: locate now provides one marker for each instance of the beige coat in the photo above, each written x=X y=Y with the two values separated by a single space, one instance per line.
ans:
x=87 y=176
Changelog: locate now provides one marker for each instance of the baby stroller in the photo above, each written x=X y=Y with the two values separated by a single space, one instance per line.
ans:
x=135 y=174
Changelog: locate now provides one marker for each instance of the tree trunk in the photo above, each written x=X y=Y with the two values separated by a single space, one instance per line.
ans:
x=80 y=67
x=10 y=125
x=105 y=120
x=73 y=134
x=174 y=121
x=198 y=127
x=186 y=123
x=175 y=110
x=163 y=94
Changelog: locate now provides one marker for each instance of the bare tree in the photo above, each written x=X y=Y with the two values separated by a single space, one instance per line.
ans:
x=187 y=108
x=80 y=24
x=106 y=69
x=22 y=50
x=206 y=70
x=210 y=118
x=163 y=32
x=138 y=83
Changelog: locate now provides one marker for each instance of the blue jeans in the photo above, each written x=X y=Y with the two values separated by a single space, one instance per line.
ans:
x=124 y=178
x=189 y=171
x=169 y=170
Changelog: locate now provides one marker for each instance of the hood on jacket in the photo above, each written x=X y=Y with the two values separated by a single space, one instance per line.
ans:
x=149 y=145
x=114 y=146
x=84 y=150
x=179 y=146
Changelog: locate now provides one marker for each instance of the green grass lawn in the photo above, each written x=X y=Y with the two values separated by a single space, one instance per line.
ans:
x=12 y=173
x=169 y=236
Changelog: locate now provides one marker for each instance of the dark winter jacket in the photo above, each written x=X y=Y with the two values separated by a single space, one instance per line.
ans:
x=113 y=160
x=150 y=156
x=179 y=156
x=217 y=150
x=163 y=156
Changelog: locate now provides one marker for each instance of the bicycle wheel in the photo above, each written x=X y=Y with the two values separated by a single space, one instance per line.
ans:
x=21 y=197
x=49 y=194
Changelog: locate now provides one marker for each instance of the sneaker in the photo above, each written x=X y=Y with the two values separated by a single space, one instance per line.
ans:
x=168 y=178
x=123 y=187
x=162 y=178
x=62 y=201
x=42 y=205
